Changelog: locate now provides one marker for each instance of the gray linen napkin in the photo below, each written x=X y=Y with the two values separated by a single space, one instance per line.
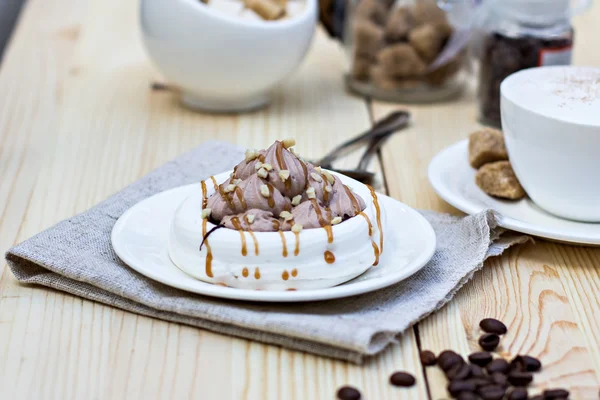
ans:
x=76 y=256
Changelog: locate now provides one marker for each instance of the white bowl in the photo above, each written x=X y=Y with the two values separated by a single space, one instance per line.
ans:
x=277 y=266
x=222 y=62
x=551 y=122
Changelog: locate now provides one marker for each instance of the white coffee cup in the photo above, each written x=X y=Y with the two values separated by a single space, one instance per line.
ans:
x=551 y=123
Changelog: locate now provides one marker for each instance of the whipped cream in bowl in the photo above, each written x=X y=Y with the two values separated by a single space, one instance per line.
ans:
x=277 y=222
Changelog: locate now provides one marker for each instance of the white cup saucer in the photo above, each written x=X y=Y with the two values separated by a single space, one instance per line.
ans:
x=453 y=178
x=140 y=238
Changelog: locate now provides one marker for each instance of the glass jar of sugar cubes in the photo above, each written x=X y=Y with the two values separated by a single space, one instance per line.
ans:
x=409 y=51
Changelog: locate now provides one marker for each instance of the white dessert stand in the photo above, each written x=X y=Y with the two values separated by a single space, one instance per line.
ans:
x=140 y=238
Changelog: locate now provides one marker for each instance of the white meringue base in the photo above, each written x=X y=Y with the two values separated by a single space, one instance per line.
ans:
x=352 y=247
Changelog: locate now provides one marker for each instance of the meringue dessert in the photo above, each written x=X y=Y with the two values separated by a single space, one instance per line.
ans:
x=277 y=222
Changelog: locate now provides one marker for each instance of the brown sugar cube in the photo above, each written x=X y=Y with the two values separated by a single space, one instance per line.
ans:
x=485 y=146
x=360 y=68
x=427 y=41
x=445 y=72
x=399 y=25
x=498 y=179
x=386 y=82
x=428 y=12
x=371 y=10
x=368 y=39
x=401 y=60
x=267 y=9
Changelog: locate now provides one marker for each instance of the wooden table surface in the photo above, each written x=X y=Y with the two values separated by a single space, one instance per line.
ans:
x=78 y=121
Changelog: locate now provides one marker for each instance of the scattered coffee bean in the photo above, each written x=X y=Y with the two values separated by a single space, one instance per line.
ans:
x=500 y=379
x=455 y=387
x=448 y=359
x=556 y=394
x=525 y=363
x=538 y=397
x=480 y=382
x=498 y=365
x=467 y=396
x=481 y=358
x=348 y=393
x=489 y=341
x=491 y=325
x=517 y=378
x=459 y=372
x=403 y=379
x=518 y=394
x=491 y=392
x=477 y=371
x=428 y=358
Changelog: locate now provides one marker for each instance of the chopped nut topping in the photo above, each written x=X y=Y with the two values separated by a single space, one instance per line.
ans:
x=319 y=170
x=288 y=142
x=236 y=181
x=297 y=228
x=296 y=200
x=250 y=218
x=328 y=189
x=262 y=173
x=329 y=177
x=316 y=177
x=267 y=166
x=310 y=192
x=251 y=154
x=286 y=215
x=284 y=174
x=258 y=165
x=206 y=213
x=264 y=190
x=336 y=220
x=229 y=188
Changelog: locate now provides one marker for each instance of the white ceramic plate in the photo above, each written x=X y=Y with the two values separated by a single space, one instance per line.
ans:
x=453 y=179
x=140 y=239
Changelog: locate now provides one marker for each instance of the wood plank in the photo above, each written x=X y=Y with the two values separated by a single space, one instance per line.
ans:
x=109 y=129
x=543 y=292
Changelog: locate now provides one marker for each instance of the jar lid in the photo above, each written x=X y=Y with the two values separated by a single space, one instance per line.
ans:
x=534 y=11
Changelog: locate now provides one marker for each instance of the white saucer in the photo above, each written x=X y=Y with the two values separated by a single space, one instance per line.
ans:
x=141 y=234
x=453 y=178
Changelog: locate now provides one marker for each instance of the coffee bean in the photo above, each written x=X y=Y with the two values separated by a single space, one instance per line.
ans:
x=455 y=387
x=489 y=341
x=428 y=358
x=500 y=379
x=525 y=363
x=348 y=393
x=459 y=372
x=498 y=365
x=477 y=371
x=538 y=397
x=448 y=359
x=481 y=358
x=556 y=394
x=518 y=394
x=491 y=325
x=517 y=378
x=491 y=392
x=467 y=396
x=403 y=379
x=480 y=382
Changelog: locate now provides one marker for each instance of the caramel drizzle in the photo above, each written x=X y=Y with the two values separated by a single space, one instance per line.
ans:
x=285 y=275
x=257 y=273
x=355 y=204
x=325 y=192
x=282 y=164
x=283 y=243
x=214 y=181
x=270 y=200
x=233 y=176
x=253 y=239
x=376 y=251
x=245 y=272
x=209 y=257
x=236 y=224
x=297 y=249
x=294 y=272
x=305 y=169
x=240 y=194
x=322 y=221
x=378 y=215
x=368 y=222
x=261 y=158
x=329 y=257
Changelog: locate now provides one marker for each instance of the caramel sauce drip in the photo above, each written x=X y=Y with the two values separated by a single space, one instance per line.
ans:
x=329 y=257
x=305 y=169
x=378 y=215
x=322 y=221
x=261 y=158
x=325 y=192
x=282 y=164
x=223 y=195
x=255 y=241
x=234 y=172
x=294 y=272
x=368 y=222
x=285 y=276
x=209 y=257
x=376 y=251
x=240 y=194
x=270 y=200
x=236 y=224
x=291 y=290
x=297 y=249
x=245 y=272
x=257 y=273
x=355 y=205
x=214 y=181
x=221 y=284
x=283 y=243
x=276 y=225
